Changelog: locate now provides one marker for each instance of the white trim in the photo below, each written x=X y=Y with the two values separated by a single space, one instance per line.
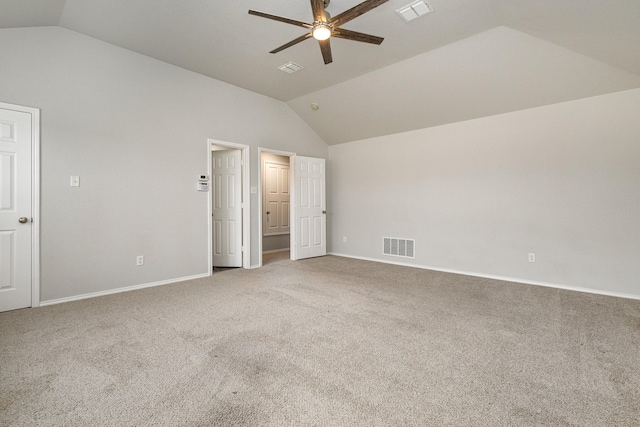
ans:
x=35 y=210
x=293 y=226
x=274 y=251
x=260 y=171
x=246 y=201
x=282 y=233
x=35 y=197
x=120 y=290
x=502 y=278
x=278 y=152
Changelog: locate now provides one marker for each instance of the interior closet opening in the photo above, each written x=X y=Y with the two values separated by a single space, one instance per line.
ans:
x=229 y=204
x=275 y=206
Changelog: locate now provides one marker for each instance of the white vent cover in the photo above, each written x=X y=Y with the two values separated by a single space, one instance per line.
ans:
x=395 y=246
x=414 y=10
x=290 y=67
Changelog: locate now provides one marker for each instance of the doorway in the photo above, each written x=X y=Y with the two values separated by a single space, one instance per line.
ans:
x=226 y=206
x=229 y=204
x=307 y=207
x=274 y=197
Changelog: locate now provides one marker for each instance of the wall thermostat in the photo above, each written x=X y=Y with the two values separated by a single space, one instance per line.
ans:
x=203 y=186
x=203 y=177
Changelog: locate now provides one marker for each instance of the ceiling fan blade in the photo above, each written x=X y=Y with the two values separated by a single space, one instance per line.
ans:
x=280 y=18
x=319 y=15
x=291 y=43
x=341 y=33
x=355 y=11
x=325 y=48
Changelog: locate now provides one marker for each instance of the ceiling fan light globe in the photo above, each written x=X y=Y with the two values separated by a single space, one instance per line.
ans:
x=321 y=32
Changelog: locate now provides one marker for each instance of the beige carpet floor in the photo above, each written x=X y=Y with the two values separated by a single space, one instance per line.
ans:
x=329 y=342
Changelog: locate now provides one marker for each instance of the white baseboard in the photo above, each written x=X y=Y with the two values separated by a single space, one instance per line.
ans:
x=489 y=276
x=273 y=251
x=119 y=290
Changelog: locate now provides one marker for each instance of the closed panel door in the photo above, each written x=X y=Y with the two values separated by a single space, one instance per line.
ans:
x=275 y=218
x=226 y=177
x=15 y=209
x=310 y=208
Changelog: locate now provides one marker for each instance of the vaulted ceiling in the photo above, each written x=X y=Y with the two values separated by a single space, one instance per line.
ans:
x=467 y=59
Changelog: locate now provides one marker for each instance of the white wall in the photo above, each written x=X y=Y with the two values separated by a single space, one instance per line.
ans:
x=562 y=181
x=135 y=130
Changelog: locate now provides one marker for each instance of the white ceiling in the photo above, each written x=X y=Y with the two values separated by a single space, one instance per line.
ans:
x=470 y=58
x=497 y=71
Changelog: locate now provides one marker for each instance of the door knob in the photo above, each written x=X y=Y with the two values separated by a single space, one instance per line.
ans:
x=23 y=220
x=268 y=212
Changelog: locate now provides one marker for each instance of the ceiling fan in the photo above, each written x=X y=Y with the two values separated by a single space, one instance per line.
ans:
x=324 y=27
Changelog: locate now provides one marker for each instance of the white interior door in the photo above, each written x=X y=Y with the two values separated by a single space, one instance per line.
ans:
x=226 y=178
x=276 y=199
x=15 y=209
x=309 y=225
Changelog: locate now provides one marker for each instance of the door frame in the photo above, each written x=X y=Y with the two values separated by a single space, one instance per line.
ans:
x=246 y=201
x=260 y=172
x=35 y=197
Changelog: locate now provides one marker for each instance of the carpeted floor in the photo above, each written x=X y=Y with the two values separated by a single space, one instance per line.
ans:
x=329 y=342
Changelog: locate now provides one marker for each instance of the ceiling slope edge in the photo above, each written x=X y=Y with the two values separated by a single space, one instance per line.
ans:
x=497 y=71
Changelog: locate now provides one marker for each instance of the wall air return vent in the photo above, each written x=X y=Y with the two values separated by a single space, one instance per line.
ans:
x=395 y=246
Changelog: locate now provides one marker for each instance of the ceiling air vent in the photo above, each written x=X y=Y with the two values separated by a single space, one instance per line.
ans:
x=414 y=10
x=290 y=67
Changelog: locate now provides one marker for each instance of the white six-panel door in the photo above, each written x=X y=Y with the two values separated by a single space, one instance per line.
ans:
x=15 y=209
x=276 y=199
x=309 y=222
x=226 y=180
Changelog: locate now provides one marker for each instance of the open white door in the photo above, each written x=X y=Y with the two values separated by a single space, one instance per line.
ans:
x=226 y=179
x=309 y=225
x=15 y=209
x=277 y=195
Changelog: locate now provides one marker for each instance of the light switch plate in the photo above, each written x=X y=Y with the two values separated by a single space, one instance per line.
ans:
x=75 y=181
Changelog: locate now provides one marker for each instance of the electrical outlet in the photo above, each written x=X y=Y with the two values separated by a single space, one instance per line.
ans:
x=140 y=260
x=532 y=257
x=344 y=239
x=75 y=181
